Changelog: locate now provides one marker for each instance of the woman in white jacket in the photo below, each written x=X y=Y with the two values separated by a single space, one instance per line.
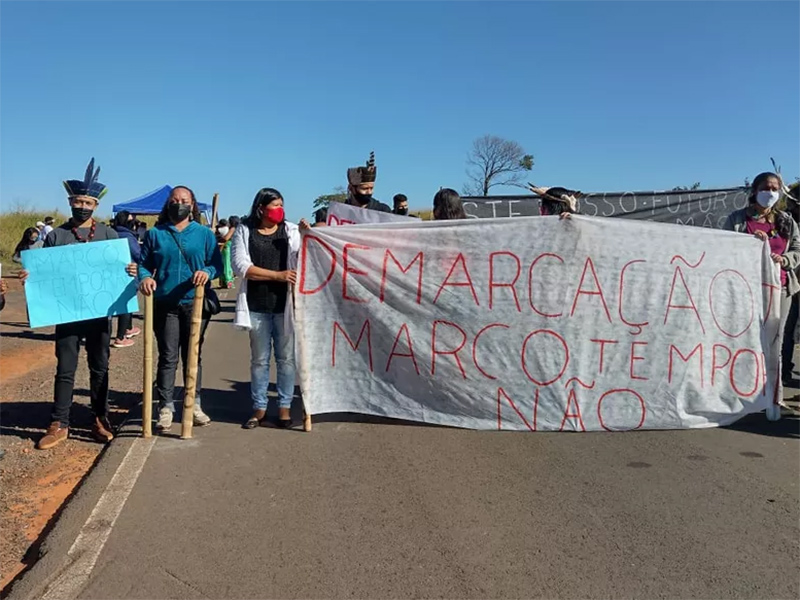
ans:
x=264 y=254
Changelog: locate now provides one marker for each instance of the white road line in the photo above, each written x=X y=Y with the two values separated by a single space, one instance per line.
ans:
x=83 y=554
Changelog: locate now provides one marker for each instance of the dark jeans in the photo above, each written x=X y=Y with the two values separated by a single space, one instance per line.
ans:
x=124 y=323
x=172 y=326
x=97 y=334
x=789 y=337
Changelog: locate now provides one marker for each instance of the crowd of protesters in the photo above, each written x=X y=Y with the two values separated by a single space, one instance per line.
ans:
x=179 y=254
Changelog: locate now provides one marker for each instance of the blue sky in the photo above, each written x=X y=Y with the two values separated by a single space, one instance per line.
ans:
x=231 y=97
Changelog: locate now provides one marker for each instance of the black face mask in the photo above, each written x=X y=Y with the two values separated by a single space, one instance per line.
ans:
x=362 y=198
x=81 y=215
x=401 y=211
x=178 y=212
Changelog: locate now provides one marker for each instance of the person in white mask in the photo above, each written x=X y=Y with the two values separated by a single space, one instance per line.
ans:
x=763 y=219
x=224 y=235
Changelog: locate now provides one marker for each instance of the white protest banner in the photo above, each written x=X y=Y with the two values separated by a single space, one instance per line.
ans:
x=78 y=282
x=539 y=324
x=344 y=214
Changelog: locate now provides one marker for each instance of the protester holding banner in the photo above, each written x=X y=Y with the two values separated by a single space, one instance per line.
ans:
x=84 y=196
x=177 y=255
x=123 y=223
x=361 y=184
x=31 y=239
x=265 y=248
x=762 y=219
x=447 y=205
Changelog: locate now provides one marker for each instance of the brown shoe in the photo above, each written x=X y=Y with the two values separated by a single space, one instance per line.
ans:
x=54 y=436
x=101 y=430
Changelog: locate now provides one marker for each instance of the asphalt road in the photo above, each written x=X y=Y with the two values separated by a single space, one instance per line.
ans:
x=365 y=509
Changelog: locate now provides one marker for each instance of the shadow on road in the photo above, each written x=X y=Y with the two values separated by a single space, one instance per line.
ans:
x=28 y=419
x=787 y=427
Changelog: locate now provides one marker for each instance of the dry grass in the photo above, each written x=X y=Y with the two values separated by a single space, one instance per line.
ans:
x=13 y=223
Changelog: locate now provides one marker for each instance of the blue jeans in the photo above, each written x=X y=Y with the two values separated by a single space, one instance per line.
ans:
x=268 y=331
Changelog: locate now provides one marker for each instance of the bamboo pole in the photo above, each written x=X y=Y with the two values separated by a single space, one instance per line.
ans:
x=214 y=207
x=147 y=380
x=190 y=385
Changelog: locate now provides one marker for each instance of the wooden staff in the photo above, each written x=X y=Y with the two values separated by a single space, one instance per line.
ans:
x=147 y=383
x=306 y=419
x=214 y=206
x=190 y=385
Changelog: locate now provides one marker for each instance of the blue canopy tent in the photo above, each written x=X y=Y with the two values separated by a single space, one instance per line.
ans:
x=152 y=203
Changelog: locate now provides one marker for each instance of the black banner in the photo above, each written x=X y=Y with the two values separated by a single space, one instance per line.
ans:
x=701 y=208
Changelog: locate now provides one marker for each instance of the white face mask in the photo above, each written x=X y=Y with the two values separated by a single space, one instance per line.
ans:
x=223 y=231
x=767 y=198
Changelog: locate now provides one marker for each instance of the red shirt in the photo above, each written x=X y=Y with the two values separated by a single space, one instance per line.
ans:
x=777 y=244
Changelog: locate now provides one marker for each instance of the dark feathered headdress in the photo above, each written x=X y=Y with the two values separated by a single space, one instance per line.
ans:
x=89 y=186
x=359 y=175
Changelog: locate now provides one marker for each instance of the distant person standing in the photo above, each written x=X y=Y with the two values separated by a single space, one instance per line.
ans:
x=224 y=235
x=321 y=217
x=123 y=222
x=82 y=228
x=361 y=184
x=400 y=204
x=48 y=226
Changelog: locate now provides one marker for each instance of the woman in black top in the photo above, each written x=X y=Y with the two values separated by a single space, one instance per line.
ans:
x=264 y=255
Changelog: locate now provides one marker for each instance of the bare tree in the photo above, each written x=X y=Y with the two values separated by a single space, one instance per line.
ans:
x=495 y=161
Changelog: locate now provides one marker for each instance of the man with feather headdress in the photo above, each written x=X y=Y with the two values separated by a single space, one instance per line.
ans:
x=361 y=184
x=84 y=196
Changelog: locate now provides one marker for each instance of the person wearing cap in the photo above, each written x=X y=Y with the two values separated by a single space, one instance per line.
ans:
x=84 y=196
x=48 y=226
x=40 y=226
x=361 y=184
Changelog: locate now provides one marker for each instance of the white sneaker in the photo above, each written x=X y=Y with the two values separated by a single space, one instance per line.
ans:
x=200 y=418
x=164 y=419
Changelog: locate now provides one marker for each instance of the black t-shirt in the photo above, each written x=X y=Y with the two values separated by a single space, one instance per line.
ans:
x=268 y=252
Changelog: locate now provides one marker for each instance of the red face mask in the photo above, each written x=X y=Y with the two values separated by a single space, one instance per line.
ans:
x=276 y=214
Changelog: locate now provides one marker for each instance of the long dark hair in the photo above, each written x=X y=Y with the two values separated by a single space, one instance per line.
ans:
x=554 y=203
x=163 y=217
x=447 y=205
x=263 y=197
x=121 y=219
x=25 y=242
x=782 y=220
